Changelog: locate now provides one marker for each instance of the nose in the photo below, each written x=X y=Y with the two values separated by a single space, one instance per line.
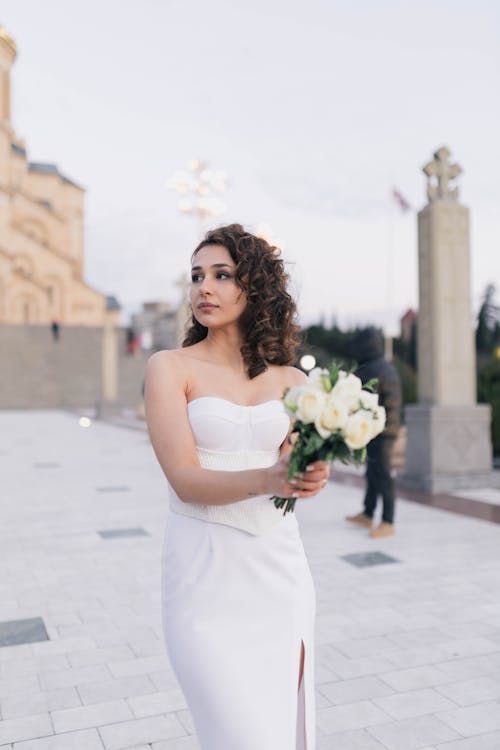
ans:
x=205 y=286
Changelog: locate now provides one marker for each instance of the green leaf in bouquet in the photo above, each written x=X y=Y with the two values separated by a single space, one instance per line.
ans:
x=333 y=373
x=326 y=383
x=371 y=385
x=359 y=455
x=313 y=444
x=326 y=453
x=342 y=452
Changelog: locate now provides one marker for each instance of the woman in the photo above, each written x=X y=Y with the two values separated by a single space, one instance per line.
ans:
x=238 y=598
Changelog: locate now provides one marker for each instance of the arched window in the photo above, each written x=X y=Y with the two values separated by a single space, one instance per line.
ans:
x=24 y=309
x=23 y=265
x=34 y=229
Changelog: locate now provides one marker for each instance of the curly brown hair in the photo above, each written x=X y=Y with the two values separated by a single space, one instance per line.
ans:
x=268 y=324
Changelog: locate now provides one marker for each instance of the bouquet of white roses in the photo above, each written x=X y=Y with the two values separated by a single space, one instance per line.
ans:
x=335 y=418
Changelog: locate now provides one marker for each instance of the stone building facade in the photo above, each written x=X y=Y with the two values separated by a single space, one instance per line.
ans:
x=41 y=232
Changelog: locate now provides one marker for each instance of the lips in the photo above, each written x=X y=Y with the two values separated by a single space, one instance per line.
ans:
x=206 y=306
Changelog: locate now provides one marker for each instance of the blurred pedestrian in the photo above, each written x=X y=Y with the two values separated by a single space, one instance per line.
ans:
x=367 y=348
x=130 y=336
x=55 y=328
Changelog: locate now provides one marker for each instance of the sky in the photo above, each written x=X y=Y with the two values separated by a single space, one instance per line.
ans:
x=315 y=111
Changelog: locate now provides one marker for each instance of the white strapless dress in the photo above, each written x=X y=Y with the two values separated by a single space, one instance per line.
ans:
x=238 y=597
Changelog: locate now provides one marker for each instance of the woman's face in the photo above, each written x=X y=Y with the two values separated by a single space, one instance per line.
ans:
x=216 y=299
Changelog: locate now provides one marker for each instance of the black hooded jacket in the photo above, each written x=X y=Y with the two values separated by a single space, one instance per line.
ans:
x=367 y=348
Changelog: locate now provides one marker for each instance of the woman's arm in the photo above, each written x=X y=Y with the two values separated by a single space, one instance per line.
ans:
x=173 y=443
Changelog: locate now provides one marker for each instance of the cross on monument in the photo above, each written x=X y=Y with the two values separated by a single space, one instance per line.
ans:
x=441 y=169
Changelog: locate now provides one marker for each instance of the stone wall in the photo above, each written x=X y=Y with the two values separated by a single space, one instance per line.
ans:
x=37 y=372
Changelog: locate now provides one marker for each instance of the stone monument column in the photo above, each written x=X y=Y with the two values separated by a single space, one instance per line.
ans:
x=108 y=403
x=448 y=438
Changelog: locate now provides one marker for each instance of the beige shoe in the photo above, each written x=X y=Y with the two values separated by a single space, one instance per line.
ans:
x=361 y=520
x=385 y=529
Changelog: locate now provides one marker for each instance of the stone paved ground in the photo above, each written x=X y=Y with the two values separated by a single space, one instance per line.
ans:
x=408 y=653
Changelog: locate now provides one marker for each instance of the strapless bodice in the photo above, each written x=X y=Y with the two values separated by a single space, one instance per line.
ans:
x=233 y=437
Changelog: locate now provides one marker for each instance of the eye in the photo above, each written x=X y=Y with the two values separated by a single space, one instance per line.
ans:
x=223 y=274
x=195 y=277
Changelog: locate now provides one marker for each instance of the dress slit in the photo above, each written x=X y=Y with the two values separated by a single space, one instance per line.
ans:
x=301 y=742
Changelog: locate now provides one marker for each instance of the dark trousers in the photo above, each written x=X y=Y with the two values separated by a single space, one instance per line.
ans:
x=378 y=477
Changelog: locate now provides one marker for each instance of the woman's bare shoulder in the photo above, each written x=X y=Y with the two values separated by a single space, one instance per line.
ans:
x=167 y=365
x=164 y=357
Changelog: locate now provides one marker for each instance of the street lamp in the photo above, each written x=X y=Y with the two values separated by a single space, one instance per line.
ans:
x=199 y=188
x=307 y=362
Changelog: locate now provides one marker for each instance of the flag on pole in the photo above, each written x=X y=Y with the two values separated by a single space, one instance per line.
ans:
x=403 y=204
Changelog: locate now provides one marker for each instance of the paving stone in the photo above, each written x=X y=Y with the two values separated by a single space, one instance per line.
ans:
x=469 y=647
x=157 y=703
x=14 y=685
x=413 y=703
x=358 y=739
x=186 y=720
x=100 y=656
x=113 y=488
x=477 y=690
x=416 y=657
x=471 y=667
x=417 y=677
x=413 y=734
x=69 y=677
x=379 y=646
x=125 y=687
x=484 y=742
x=180 y=743
x=85 y=717
x=151 y=729
x=86 y=740
x=164 y=680
x=38 y=703
x=137 y=666
x=349 y=691
x=7 y=653
x=63 y=646
x=357 y=715
x=25 y=728
x=479 y=719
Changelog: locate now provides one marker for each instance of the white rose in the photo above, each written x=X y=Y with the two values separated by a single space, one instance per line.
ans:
x=359 y=430
x=315 y=378
x=347 y=389
x=309 y=404
x=292 y=396
x=369 y=400
x=334 y=415
x=378 y=424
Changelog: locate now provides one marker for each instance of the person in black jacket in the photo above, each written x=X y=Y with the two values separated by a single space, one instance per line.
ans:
x=367 y=348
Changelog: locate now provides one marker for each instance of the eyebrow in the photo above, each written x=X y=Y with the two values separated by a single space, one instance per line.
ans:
x=214 y=265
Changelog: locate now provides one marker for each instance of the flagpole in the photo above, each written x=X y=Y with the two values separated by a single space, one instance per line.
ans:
x=394 y=197
x=389 y=271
